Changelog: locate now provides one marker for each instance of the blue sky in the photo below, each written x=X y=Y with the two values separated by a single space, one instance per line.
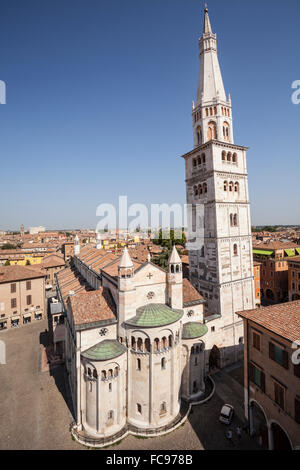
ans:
x=99 y=100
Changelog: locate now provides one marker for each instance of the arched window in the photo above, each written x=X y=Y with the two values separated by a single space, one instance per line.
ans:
x=234 y=158
x=156 y=344
x=222 y=109
x=147 y=344
x=215 y=110
x=199 y=136
x=200 y=189
x=204 y=187
x=170 y=341
x=103 y=374
x=195 y=190
x=236 y=186
x=226 y=130
x=199 y=160
x=163 y=363
x=197 y=349
x=140 y=344
x=235 y=220
x=223 y=156
x=133 y=343
x=225 y=185
x=235 y=250
x=206 y=111
x=89 y=372
x=212 y=130
x=110 y=373
x=163 y=408
x=231 y=220
x=172 y=268
x=229 y=155
x=95 y=375
x=192 y=350
x=203 y=157
x=194 y=162
x=138 y=364
x=230 y=186
x=164 y=342
x=210 y=111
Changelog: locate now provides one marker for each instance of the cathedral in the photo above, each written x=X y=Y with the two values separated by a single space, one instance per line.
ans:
x=140 y=340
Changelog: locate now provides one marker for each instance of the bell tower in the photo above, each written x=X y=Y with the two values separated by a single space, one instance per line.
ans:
x=219 y=226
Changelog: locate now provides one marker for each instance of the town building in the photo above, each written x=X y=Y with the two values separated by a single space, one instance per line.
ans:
x=274 y=256
x=35 y=230
x=22 y=296
x=219 y=227
x=256 y=269
x=294 y=278
x=272 y=374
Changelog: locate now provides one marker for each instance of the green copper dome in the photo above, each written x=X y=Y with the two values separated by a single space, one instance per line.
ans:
x=152 y=315
x=107 y=349
x=193 y=330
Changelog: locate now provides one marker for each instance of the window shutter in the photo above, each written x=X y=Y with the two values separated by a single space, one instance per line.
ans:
x=271 y=351
x=263 y=382
x=285 y=359
x=297 y=410
x=251 y=372
x=297 y=370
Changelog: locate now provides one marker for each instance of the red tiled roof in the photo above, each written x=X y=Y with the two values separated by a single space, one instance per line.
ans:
x=189 y=293
x=18 y=273
x=283 y=319
x=89 y=307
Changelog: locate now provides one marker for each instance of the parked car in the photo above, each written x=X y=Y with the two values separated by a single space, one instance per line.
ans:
x=226 y=414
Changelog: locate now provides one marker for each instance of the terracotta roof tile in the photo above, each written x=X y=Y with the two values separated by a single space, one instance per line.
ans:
x=189 y=293
x=92 y=306
x=283 y=319
x=18 y=273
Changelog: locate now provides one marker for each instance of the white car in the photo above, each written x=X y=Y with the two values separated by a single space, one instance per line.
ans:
x=226 y=414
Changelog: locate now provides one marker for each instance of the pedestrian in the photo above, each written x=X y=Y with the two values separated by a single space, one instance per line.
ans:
x=239 y=432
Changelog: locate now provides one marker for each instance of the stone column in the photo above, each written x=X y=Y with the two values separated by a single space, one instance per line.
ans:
x=151 y=384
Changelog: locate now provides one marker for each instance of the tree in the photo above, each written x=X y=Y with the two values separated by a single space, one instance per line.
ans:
x=8 y=246
x=7 y=263
x=168 y=242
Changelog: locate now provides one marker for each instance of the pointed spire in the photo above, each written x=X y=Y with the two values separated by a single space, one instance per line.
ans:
x=125 y=260
x=210 y=82
x=207 y=26
x=174 y=258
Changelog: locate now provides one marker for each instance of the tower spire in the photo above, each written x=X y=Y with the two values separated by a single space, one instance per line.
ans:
x=212 y=118
x=207 y=26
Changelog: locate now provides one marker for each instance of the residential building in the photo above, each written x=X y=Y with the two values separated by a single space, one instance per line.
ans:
x=22 y=296
x=272 y=374
x=274 y=256
x=256 y=269
x=294 y=278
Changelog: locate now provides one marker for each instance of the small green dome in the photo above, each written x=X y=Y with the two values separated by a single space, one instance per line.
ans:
x=152 y=315
x=107 y=349
x=193 y=330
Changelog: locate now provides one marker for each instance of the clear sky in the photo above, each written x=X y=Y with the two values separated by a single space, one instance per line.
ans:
x=99 y=97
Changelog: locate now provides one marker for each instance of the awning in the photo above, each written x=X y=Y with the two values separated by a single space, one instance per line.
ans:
x=298 y=250
x=48 y=286
x=263 y=252
x=27 y=315
x=289 y=252
x=16 y=317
